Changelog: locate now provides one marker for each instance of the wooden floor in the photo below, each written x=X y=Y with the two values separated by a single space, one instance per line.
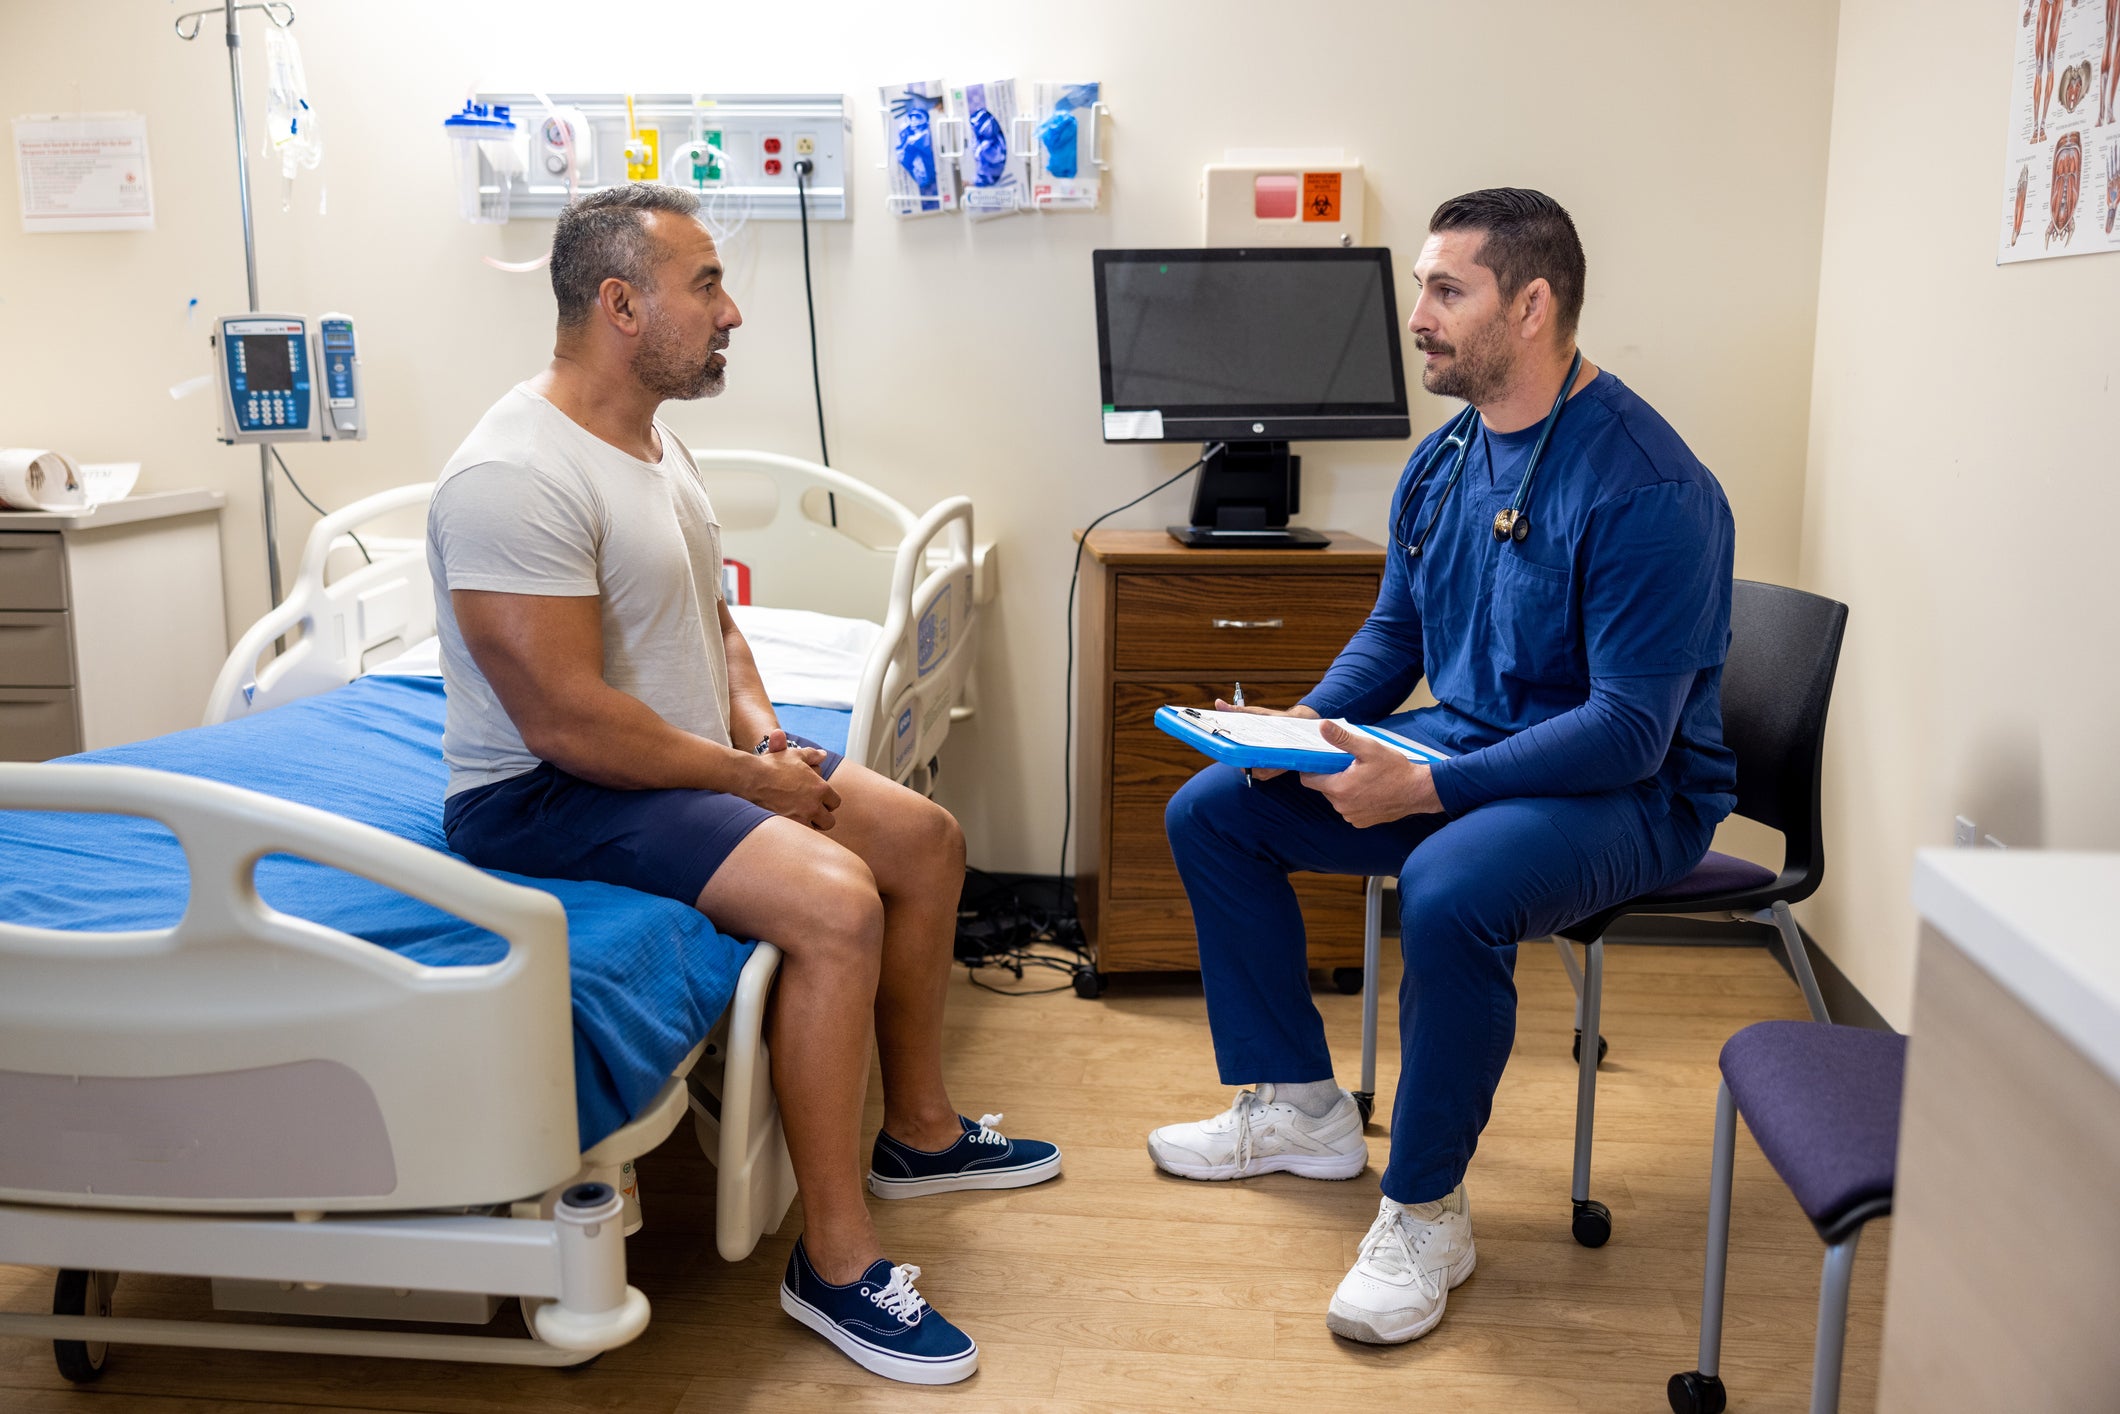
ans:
x=1118 y=1288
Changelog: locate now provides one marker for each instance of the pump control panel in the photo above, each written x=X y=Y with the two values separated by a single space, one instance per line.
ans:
x=338 y=365
x=264 y=367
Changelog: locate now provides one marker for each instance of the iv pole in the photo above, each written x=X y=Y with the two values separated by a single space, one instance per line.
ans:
x=228 y=10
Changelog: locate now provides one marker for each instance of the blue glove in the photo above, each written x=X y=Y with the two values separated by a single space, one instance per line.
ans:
x=1058 y=133
x=916 y=150
x=990 y=148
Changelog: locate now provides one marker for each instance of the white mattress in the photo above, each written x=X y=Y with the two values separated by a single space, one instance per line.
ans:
x=806 y=659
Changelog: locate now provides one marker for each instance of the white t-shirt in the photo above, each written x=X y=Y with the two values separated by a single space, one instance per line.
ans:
x=534 y=503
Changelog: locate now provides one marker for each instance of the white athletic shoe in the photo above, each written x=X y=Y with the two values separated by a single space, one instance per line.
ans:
x=1404 y=1271
x=1259 y=1134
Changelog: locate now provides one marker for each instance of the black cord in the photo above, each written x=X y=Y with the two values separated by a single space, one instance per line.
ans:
x=1067 y=734
x=312 y=503
x=802 y=207
x=1014 y=923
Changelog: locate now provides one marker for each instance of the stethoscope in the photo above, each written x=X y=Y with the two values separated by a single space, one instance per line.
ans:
x=1511 y=523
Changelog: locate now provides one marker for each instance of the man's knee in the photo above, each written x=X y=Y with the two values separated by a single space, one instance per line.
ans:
x=1442 y=912
x=1200 y=805
x=842 y=910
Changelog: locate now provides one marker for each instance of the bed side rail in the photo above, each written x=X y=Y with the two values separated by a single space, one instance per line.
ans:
x=917 y=673
x=374 y=609
x=245 y=1059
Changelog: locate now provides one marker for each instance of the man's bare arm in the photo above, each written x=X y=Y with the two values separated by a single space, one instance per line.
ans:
x=751 y=714
x=544 y=656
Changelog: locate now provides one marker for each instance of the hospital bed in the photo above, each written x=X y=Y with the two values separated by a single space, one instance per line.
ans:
x=278 y=1038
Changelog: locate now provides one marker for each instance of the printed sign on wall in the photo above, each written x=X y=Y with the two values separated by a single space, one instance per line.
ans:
x=2061 y=182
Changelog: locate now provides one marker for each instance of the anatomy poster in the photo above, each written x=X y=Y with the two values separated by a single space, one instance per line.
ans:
x=2061 y=186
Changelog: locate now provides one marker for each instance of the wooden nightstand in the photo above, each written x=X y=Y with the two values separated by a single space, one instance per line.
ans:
x=1158 y=623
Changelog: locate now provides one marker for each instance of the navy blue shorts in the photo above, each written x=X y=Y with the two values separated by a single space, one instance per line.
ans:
x=550 y=825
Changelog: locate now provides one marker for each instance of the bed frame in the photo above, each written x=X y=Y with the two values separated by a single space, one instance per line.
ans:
x=814 y=538
x=252 y=1097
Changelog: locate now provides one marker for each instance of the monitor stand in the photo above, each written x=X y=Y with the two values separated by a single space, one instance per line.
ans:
x=1243 y=498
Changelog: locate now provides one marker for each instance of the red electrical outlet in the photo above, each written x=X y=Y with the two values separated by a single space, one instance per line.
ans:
x=772 y=145
x=772 y=165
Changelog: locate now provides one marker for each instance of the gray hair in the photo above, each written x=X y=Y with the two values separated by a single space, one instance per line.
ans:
x=602 y=236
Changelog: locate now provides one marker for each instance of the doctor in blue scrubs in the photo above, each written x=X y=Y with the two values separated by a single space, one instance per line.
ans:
x=1560 y=573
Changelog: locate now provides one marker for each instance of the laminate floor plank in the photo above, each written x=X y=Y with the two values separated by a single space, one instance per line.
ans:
x=1118 y=1288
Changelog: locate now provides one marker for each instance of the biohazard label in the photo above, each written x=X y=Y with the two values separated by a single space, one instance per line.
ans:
x=1321 y=196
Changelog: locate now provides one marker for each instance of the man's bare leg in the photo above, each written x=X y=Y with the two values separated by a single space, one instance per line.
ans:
x=816 y=902
x=915 y=850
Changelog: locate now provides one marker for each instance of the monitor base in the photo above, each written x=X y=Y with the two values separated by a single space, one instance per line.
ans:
x=1206 y=537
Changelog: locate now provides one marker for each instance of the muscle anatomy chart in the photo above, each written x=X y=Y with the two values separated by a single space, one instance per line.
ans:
x=2061 y=113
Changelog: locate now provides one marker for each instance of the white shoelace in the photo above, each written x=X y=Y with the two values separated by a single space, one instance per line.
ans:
x=898 y=1296
x=988 y=1134
x=1247 y=1101
x=1389 y=1229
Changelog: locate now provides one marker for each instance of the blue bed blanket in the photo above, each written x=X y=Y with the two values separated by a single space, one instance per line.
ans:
x=650 y=976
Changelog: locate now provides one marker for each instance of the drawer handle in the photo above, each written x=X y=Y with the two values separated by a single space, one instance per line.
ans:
x=1247 y=623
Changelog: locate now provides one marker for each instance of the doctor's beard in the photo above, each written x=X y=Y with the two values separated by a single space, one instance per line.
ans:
x=1479 y=368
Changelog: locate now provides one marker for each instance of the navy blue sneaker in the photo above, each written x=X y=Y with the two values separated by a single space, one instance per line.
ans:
x=879 y=1322
x=983 y=1158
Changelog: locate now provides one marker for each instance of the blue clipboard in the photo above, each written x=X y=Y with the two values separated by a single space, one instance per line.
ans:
x=1174 y=721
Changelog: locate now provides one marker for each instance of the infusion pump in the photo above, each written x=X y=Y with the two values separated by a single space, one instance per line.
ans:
x=289 y=378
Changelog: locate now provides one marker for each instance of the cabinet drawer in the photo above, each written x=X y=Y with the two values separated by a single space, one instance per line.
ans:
x=1236 y=623
x=35 y=651
x=1148 y=766
x=32 y=570
x=37 y=723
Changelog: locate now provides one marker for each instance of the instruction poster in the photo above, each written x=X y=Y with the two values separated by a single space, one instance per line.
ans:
x=2061 y=183
x=85 y=172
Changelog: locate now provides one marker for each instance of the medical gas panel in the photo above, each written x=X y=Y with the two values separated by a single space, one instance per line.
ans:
x=737 y=148
x=288 y=378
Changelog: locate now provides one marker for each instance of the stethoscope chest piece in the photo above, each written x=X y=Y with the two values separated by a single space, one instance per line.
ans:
x=1505 y=522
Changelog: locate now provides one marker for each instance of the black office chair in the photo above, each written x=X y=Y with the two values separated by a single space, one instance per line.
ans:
x=1776 y=687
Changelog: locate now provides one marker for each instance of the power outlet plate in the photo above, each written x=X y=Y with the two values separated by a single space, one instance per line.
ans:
x=1964 y=833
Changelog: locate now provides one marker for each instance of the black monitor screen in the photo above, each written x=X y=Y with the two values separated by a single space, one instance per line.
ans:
x=268 y=366
x=1238 y=333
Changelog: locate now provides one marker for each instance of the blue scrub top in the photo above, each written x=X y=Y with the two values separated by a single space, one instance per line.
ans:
x=1626 y=573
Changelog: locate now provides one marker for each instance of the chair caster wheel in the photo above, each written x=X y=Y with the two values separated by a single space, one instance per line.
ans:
x=1576 y=1052
x=1089 y=983
x=1347 y=981
x=78 y=1293
x=1592 y=1224
x=1695 y=1393
x=1366 y=1102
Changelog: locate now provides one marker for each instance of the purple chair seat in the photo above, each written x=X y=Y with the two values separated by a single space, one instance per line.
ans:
x=1713 y=877
x=1823 y=1102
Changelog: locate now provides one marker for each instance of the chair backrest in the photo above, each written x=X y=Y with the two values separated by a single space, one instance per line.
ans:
x=1776 y=687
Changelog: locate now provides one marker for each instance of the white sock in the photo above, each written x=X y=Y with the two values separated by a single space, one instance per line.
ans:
x=1315 y=1098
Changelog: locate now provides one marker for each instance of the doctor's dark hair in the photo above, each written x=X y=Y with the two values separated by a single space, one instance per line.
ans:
x=1529 y=236
x=601 y=236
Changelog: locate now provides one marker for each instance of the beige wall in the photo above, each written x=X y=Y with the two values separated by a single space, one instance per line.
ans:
x=1688 y=139
x=1961 y=491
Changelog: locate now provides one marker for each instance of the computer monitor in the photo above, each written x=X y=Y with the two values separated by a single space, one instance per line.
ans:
x=1251 y=349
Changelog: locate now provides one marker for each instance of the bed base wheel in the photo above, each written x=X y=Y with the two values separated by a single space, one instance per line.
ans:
x=1366 y=1102
x=1089 y=982
x=79 y=1293
x=1347 y=981
x=1575 y=1052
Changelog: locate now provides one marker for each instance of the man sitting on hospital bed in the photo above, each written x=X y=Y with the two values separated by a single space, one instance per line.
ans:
x=603 y=710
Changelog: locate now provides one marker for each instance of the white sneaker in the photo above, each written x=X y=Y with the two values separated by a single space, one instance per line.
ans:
x=1259 y=1134
x=1403 y=1274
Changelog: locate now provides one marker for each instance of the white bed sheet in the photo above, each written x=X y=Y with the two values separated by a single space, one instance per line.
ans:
x=806 y=659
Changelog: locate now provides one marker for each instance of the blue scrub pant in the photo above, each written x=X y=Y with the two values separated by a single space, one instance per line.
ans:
x=1469 y=889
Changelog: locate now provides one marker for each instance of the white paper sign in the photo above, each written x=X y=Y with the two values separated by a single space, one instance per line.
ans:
x=84 y=173
x=1133 y=426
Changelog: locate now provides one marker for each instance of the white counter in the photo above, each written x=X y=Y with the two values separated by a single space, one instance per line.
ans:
x=2045 y=925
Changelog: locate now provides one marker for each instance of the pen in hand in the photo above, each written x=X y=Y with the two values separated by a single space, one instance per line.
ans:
x=1236 y=699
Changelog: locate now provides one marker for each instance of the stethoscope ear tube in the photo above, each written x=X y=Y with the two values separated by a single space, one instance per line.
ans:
x=1513 y=523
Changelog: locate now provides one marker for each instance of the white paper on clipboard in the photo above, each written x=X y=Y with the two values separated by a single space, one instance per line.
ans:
x=84 y=172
